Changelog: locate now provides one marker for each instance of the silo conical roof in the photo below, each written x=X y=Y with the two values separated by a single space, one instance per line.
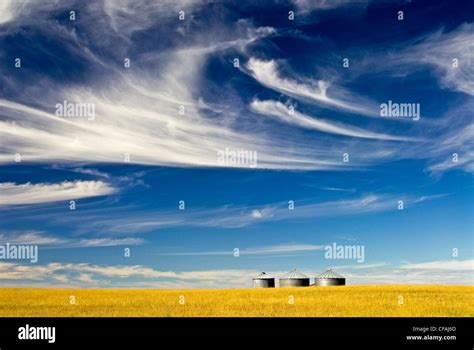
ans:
x=262 y=276
x=330 y=274
x=294 y=274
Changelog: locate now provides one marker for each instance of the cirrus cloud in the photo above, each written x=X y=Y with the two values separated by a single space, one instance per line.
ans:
x=28 y=193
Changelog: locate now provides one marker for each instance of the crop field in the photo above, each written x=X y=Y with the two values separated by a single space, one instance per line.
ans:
x=373 y=300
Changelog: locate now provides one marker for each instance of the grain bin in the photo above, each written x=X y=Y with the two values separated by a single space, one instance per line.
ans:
x=263 y=281
x=329 y=278
x=294 y=278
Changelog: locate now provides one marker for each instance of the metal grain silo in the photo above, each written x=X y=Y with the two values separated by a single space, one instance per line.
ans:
x=294 y=278
x=263 y=281
x=329 y=278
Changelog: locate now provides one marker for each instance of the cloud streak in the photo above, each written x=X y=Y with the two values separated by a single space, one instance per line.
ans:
x=447 y=265
x=317 y=91
x=233 y=216
x=307 y=6
x=52 y=241
x=275 y=249
x=280 y=111
x=450 y=54
x=28 y=193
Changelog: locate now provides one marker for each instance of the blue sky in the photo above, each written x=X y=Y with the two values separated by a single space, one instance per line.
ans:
x=160 y=124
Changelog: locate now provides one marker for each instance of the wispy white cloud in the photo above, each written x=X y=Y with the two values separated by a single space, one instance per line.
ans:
x=102 y=242
x=432 y=272
x=454 y=148
x=446 y=265
x=318 y=91
x=52 y=241
x=306 y=6
x=457 y=273
x=90 y=171
x=30 y=237
x=261 y=213
x=361 y=266
x=9 y=9
x=128 y=16
x=133 y=276
x=449 y=55
x=28 y=193
x=397 y=276
x=86 y=278
x=242 y=216
x=281 y=111
x=81 y=170
x=439 y=50
x=337 y=189
x=283 y=248
x=274 y=249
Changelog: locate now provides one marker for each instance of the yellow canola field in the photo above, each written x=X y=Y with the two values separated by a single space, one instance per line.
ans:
x=346 y=301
